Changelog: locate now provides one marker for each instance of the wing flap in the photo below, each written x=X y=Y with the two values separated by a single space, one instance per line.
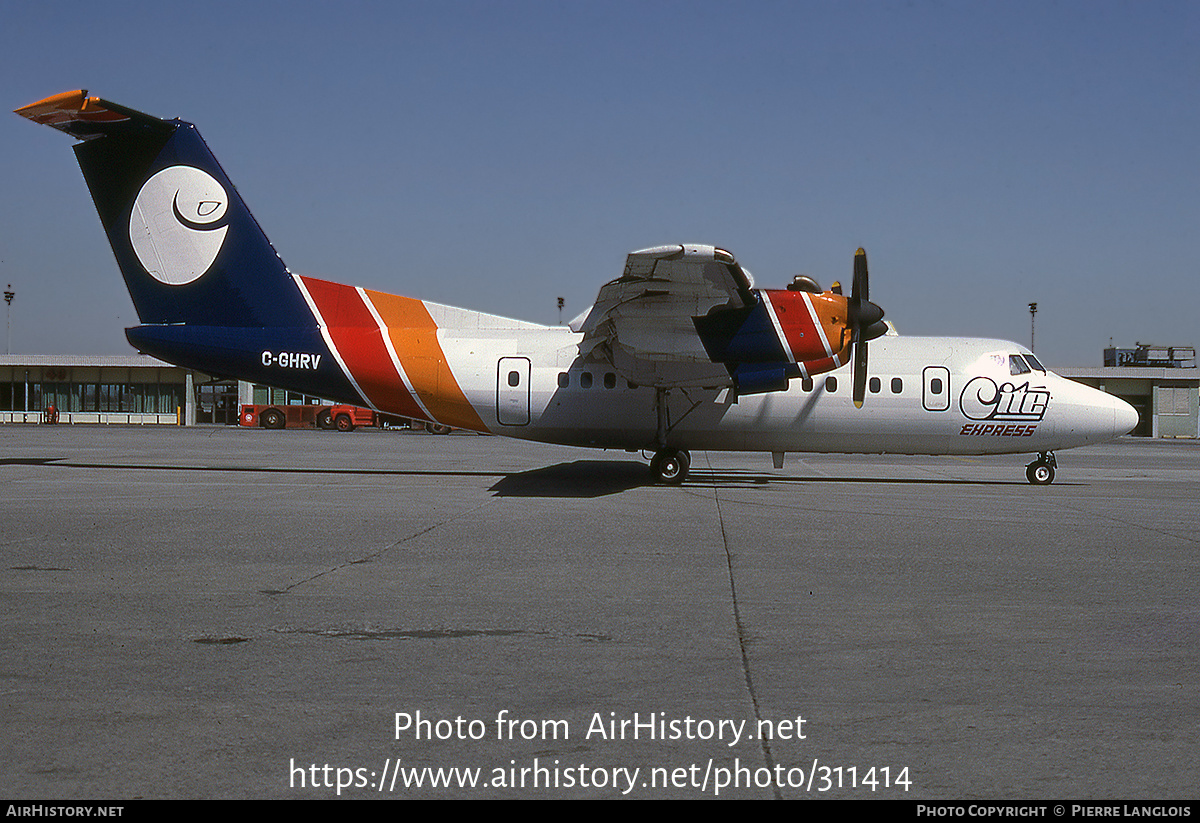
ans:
x=643 y=321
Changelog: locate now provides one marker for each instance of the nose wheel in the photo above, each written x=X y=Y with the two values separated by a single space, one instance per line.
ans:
x=670 y=465
x=1041 y=471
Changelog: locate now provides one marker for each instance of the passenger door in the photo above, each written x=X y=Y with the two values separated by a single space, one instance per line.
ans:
x=512 y=391
x=935 y=389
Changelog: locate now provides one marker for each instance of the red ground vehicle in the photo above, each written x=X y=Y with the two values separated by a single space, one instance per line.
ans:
x=340 y=417
x=349 y=418
x=279 y=415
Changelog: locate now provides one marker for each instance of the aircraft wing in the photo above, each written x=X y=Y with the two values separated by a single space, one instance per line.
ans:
x=642 y=322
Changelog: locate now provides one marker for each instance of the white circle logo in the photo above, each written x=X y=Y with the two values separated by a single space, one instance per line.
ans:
x=178 y=224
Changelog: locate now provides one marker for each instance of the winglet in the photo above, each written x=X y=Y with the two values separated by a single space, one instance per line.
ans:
x=83 y=117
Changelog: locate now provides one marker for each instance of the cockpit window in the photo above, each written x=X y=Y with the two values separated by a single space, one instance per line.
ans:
x=1017 y=365
x=1033 y=361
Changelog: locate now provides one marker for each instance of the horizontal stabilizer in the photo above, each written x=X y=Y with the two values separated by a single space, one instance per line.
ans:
x=86 y=118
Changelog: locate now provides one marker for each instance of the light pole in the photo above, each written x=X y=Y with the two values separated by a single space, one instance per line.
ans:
x=9 y=294
x=1032 y=312
x=561 y=303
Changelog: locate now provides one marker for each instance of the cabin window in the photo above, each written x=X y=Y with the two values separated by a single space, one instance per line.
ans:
x=874 y=385
x=585 y=380
x=514 y=378
x=1016 y=365
x=631 y=384
x=831 y=384
x=935 y=385
x=806 y=384
x=610 y=380
x=897 y=385
x=564 y=380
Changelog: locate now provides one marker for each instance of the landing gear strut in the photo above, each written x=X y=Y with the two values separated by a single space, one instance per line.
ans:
x=1041 y=471
x=670 y=465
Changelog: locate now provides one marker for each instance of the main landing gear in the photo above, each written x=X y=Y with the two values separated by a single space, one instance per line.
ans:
x=1041 y=471
x=670 y=465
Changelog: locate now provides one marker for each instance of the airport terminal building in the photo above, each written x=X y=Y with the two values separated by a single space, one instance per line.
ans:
x=93 y=389
x=123 y=390
x=140 y=390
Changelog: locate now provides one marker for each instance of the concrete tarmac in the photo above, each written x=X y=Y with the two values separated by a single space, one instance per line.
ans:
x=228 y=613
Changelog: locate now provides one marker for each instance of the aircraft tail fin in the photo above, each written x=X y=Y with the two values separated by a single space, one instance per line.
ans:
x=189 y=249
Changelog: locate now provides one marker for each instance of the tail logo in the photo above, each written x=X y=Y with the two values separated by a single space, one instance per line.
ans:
x=178 y=225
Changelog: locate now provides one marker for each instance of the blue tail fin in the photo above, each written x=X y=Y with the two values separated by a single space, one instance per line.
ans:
x=210 y=290
x=188 y=247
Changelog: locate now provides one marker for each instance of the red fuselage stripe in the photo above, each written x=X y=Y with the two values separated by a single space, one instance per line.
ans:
x=359 y=343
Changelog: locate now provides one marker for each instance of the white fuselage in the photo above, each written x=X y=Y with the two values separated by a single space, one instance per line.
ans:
x=927 y=395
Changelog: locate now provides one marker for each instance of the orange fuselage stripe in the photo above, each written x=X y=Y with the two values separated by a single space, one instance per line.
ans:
x=413 y=334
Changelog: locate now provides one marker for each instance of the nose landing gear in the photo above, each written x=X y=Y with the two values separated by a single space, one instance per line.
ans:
x=1041 y=471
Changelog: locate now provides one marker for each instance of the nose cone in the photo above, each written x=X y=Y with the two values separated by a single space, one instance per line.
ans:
x=1125 y=417
x=1090 y=415
x=1115 y=418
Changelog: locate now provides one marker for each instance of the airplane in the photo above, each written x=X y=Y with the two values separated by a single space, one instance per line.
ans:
x=680 y=352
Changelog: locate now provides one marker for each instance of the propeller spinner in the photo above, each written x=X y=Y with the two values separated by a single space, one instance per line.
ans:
x=866 y=323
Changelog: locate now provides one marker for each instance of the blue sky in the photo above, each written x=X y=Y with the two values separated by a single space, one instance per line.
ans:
x=498 y=155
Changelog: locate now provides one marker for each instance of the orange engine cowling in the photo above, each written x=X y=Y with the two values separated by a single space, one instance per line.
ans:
x=813 y=328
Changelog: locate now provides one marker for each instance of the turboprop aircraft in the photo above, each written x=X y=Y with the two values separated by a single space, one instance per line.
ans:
x=680 y=352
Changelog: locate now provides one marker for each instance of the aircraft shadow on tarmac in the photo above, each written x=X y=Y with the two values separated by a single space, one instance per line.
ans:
x=579 y=478
x=598 y=478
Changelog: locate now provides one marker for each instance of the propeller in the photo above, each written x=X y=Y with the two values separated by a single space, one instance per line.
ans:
x=866 y=323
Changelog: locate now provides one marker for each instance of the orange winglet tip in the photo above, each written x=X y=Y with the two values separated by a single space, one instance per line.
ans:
x=69 y=107
x=55 y=108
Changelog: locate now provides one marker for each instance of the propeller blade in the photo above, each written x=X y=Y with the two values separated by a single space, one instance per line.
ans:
x=865 y=319
x=860 y=368
x=860 y=288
